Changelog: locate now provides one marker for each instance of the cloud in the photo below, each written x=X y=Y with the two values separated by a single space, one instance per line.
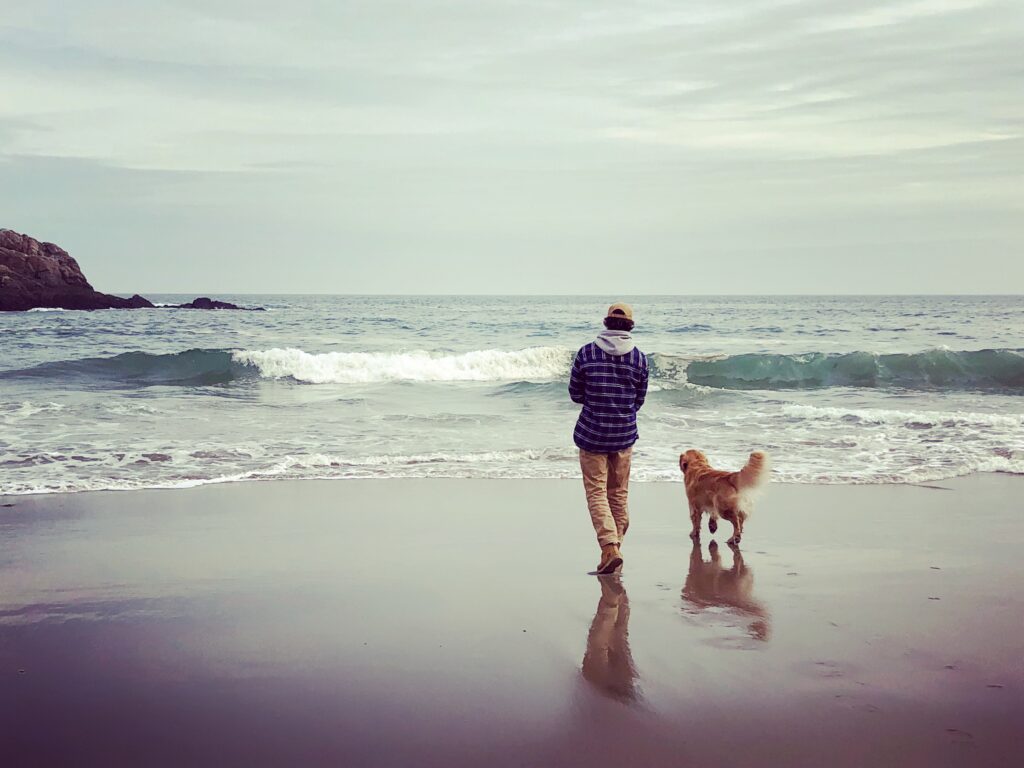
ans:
x=541 y=131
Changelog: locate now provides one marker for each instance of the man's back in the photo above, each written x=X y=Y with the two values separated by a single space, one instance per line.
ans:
x=612 y=388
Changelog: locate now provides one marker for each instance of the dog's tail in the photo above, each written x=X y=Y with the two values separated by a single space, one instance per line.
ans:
x=755 y=473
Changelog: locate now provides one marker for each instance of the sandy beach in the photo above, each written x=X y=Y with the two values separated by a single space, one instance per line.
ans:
x=453 y=622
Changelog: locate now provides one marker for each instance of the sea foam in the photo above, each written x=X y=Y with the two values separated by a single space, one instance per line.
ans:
x=537 y=364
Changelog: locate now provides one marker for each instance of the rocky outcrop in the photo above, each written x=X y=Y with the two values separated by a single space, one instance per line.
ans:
x=204 y=303
x=35 y=274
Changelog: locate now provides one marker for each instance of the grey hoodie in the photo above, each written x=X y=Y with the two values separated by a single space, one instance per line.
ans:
x=615 y=342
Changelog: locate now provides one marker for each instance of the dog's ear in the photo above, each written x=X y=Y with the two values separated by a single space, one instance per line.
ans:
x=682 y=462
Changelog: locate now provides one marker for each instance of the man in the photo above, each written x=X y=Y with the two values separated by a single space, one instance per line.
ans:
x=609 y=378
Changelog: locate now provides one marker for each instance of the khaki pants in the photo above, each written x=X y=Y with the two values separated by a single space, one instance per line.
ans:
x=606 y=482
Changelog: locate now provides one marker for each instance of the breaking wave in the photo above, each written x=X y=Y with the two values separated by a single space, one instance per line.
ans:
x=990 y=369
x=199 y=367
x=193 y=367
x=932 y=370
x=537 y=364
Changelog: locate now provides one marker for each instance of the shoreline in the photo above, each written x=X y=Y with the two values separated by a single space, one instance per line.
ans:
x=188 y=485
x=444 y=622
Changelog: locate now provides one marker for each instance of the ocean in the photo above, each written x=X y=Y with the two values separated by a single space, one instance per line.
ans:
x=901 y=389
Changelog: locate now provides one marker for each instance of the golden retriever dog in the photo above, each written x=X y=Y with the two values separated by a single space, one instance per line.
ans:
x=720 y=493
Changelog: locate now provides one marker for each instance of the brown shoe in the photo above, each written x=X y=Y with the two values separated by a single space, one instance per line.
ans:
x=611 y=559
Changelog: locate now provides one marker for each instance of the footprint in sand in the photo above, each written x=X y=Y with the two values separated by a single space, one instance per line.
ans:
x=828 y=669
x=956 y=736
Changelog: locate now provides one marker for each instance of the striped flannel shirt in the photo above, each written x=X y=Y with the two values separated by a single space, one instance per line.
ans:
x=611 y=389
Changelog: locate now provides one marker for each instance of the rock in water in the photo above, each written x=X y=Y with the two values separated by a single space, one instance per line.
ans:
x=34 y=274
x=206 y=303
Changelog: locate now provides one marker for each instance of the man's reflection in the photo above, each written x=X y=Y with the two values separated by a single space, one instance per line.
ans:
x=608 y=664
x=709 y=585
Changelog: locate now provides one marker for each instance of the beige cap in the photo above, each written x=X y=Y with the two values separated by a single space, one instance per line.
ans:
x=620 y=310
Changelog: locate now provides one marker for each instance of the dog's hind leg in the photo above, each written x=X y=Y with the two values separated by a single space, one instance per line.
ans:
x=713 y=515
x=736 y=518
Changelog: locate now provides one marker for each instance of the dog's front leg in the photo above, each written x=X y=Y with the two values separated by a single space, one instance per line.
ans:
x=695 y=521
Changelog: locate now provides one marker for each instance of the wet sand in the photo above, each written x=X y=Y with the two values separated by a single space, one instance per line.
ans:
x=453 y=623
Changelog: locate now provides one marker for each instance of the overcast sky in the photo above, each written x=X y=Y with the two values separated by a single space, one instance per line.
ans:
x=536 y=146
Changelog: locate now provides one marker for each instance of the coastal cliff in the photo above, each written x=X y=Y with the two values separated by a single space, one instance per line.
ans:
x=35 y=274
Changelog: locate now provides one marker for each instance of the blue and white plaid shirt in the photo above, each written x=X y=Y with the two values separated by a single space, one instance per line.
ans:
x=611 y=388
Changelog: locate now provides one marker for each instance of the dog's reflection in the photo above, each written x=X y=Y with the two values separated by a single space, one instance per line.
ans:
x=709 y=585
x=608 y=663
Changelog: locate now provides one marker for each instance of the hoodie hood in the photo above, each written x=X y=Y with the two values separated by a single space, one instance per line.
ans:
x=615 y=342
